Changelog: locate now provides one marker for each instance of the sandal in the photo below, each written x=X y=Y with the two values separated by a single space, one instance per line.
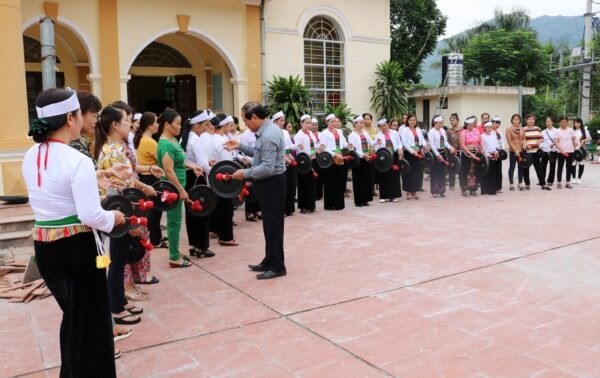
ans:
x=117 y=354
x=136 y=296
x=230 y=243
x=162 y=244
x=521 y=188
x=152 y=281
x=251 y=218
x=512 y=188
x=133 y=319
x=258 y=215
x=134 y=310
x=121 y=335
x=185 y=263
x=465 y=193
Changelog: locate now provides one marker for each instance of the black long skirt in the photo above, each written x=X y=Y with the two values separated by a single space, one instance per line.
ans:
x=389 y=183
x=196 y=227
x=413 y=181
x=362 y=183
x=489 y=183
x=306 y=191
x=334 y=187
x=437 y=177
x=290 y=196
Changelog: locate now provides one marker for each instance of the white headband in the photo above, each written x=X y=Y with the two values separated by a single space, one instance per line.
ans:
x=277 y=115
x=137 y=116
x=488 y=124
x=469 y=121
x=314 y=120
x=200 y=118
x=329 y=117
x=226 y=120
x=438 y=119
x=358 y=118
x=381 y=122
x=496 y=119
x=304 y=117
x=59 y=108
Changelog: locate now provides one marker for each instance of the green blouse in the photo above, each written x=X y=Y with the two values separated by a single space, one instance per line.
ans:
x=174 y=150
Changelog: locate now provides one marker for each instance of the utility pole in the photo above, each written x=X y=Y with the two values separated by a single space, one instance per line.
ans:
x=48 y=53
x=587 y=70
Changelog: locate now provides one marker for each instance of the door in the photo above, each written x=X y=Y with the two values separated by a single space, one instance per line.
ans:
x=185 y=95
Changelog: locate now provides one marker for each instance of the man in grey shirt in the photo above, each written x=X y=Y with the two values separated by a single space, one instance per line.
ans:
x=268 y=172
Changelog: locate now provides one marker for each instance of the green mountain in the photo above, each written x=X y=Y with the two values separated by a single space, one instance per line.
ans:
x=555 y=29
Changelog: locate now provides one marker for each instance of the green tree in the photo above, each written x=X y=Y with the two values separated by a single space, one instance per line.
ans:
x=511 y=58
x=415 y=26
x=388 y=94
x=289 y=95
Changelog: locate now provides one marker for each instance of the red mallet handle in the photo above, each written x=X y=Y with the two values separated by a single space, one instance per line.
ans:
x=565 y=154
x=169 y=197
x=146 y=244
x=294 y=163
x=395 y=168
x=145 y=205
x=347 y=158
x=315 y=174
x=223 y=176
x=419 y=156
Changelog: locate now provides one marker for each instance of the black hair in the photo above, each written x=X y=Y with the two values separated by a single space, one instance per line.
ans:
x=88 y=102
x=186 y=128
x=123 y=105
x=254 y=108
x=108 y=115
x=146 y=121
x=516 y=115
x=581 y=127
x=167 y=116
x=563 y=118
x=236 y=121
x=218 y=118
x=409 y=116
x=432 y=119
x=40 y=128
x=367 y=114
x=487 y=114
x=530 y=115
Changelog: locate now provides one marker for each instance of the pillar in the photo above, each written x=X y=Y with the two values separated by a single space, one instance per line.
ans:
x=253 y=62
x=109 y=51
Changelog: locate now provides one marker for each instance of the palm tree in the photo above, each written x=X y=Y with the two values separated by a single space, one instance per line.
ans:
x=289 y=95
x=389 y=91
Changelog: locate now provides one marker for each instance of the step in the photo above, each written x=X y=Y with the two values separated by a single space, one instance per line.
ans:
x=15 y=239
x=16 y=223
x=13 y=210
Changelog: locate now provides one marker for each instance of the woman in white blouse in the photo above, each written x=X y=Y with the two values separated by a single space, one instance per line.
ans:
x=62 y=188
x=362 y=176
x=306 y=142
x=414 y=146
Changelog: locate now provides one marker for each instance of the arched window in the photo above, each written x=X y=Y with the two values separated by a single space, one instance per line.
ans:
x=324 y=62
x=158 y=54
x=33 y=50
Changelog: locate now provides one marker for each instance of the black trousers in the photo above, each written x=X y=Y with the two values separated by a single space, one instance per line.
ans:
x=155 y=215
x=334 y=187
x=539 y=170
x=549 y=159
x=271 y=196
x=511 y=169
x=119 y=251
x=569 y=171
x=222 y=217
x=68 y=266
x=362 y=183
x=318 y=181
x=290 y=177
x=197 y=228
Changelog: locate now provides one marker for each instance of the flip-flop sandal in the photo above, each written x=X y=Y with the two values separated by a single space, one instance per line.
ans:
x=152 y=281
x=184 y=264
x=117 y=354
x=123 y=319
x=230 y=243
x=136 y=296
x=122 y=335
x=162 y=244
x=134 y=310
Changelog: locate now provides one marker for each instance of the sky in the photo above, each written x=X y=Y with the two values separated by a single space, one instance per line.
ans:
x=464 y=14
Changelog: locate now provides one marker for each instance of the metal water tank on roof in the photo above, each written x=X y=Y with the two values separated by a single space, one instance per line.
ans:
x=453 y=66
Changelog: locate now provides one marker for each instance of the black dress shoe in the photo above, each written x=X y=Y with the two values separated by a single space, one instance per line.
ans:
x=206 y=253
x=271 y=274
x=257 y=268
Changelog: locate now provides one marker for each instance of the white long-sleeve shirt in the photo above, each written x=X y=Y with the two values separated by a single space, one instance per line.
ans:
x=394 y=138
x=198 y=150
x=307 y=141
x=328 y=139
x=289 y=145
x=490 y=143
x=436 y=138
x=219 y=152
x=549 y=136
x=408 y=139
x=355 y=139
x=68 y=186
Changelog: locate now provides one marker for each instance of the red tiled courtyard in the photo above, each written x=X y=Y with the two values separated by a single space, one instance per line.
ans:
x=504 y=286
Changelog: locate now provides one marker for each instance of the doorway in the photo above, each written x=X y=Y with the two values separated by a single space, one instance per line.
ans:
x=155 y=93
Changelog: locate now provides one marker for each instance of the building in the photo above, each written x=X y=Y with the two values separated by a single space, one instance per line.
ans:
x=188 y=54
x=467 y=100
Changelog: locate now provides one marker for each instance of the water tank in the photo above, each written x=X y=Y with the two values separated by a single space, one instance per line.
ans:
x=452 y=65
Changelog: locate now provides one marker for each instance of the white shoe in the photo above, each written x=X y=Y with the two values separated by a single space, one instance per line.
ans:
x=579 y=181
x=395 y=200
x=381 y=201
